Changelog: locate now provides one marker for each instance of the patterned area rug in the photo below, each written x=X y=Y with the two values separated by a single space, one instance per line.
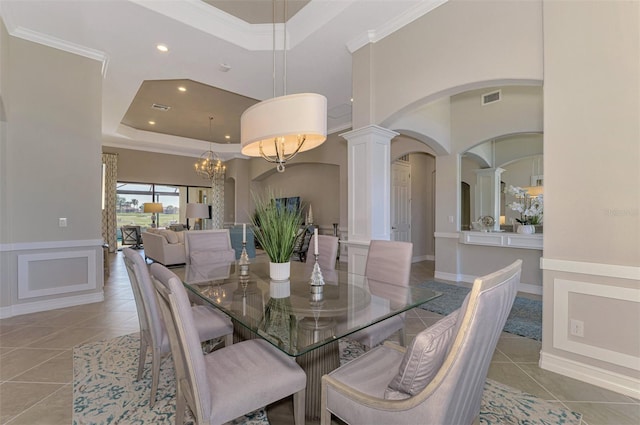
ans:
x=525 y=318
x=105 y=391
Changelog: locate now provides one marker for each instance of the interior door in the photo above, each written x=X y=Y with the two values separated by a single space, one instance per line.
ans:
x=401 y=201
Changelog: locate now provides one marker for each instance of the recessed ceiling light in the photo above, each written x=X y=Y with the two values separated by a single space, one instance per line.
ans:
x=182 y=88
x=152 y=122
x=226 y=136
x=225 y=67
x=162 y=48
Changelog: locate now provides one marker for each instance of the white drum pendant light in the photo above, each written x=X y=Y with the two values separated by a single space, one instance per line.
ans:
x=278 y=128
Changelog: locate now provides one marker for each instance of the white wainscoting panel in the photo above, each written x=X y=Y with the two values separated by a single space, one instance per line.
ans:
x=83 y=279
x=562 y=288
x=508 y=240
x=593 y=375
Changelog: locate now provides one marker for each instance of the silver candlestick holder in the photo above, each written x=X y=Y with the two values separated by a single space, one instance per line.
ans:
x=243 y=262
x=316 y=282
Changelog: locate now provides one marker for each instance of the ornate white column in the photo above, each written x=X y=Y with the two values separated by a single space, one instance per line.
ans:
x=369 y=191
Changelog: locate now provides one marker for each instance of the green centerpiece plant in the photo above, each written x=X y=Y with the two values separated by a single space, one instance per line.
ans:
x=276 y=227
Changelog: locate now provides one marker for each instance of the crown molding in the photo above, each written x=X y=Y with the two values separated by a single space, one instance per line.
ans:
x=375 y=35
x=54 y=42
x=130 y=138
x=198 y=14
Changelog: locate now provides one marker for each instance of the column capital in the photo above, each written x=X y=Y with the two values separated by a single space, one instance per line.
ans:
x=370 y=130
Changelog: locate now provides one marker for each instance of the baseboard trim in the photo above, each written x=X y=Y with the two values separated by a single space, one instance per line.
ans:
x=590 y=374
x=447 y=276
x=37 y=306
x=423 y=258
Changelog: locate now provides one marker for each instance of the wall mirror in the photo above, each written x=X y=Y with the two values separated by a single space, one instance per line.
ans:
x=488 y=170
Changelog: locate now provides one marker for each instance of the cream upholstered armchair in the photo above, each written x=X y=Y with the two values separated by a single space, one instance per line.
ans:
x=440 y=378
x=208 y=246
x=153 y=333
x=228 y=382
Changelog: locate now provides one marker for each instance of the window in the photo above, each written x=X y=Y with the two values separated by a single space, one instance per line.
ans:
x=131 y=198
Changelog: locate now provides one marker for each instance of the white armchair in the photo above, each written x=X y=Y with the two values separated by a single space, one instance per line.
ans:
x=440 y=378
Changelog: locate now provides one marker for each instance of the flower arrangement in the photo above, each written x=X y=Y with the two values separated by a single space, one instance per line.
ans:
x=529 y=207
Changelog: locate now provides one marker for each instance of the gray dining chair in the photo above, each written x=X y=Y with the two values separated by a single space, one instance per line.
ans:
x=211 y=324
x=327 y=252
x=229 y=382
x=208 y=246
x=440 y=378
x=387 y=262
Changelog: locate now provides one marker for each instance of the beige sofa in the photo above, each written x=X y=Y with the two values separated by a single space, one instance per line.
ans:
x=164 y=246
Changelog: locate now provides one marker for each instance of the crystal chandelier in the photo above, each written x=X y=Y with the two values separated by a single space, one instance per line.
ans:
x=210 y=166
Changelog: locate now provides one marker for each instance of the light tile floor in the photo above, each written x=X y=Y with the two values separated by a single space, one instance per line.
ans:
x=36 y=366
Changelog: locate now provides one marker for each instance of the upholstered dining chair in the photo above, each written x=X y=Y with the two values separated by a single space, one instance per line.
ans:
x=390 y=262
x=327 y=252
x=211 y=324
x=440 y=378
x=229 y=382
x=208 y=246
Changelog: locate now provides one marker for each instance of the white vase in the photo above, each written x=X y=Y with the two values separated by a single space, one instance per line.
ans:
x=280 y=271
x=280 y=288
x=526 y=229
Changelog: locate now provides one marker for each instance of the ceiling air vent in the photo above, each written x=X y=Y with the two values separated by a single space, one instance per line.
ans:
x=163 y=108
x=492 y=97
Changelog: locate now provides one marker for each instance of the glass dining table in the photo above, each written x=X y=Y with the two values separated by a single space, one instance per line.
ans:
x=301 y=323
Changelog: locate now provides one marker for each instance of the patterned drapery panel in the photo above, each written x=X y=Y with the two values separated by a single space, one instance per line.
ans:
x=109 y=221
x=217 y=201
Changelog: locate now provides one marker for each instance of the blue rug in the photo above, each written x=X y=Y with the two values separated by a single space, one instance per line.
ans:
x=525 y=318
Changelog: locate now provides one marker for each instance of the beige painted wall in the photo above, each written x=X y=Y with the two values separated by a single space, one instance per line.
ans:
x=519 y=111
x=5 y=277
x=592 y=154
x=461 y=45
x=592 y=172
x=318 y=186
x=151 y=167
x=51 y=165
x=53 y=151
x=591 y=123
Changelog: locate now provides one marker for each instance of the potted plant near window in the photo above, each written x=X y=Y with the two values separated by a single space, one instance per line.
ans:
x=276 y=228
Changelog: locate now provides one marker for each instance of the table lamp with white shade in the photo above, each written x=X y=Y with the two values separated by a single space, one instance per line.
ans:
x=197 y=211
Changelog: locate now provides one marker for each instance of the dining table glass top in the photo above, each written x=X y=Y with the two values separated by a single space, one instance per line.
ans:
x=287 y=313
